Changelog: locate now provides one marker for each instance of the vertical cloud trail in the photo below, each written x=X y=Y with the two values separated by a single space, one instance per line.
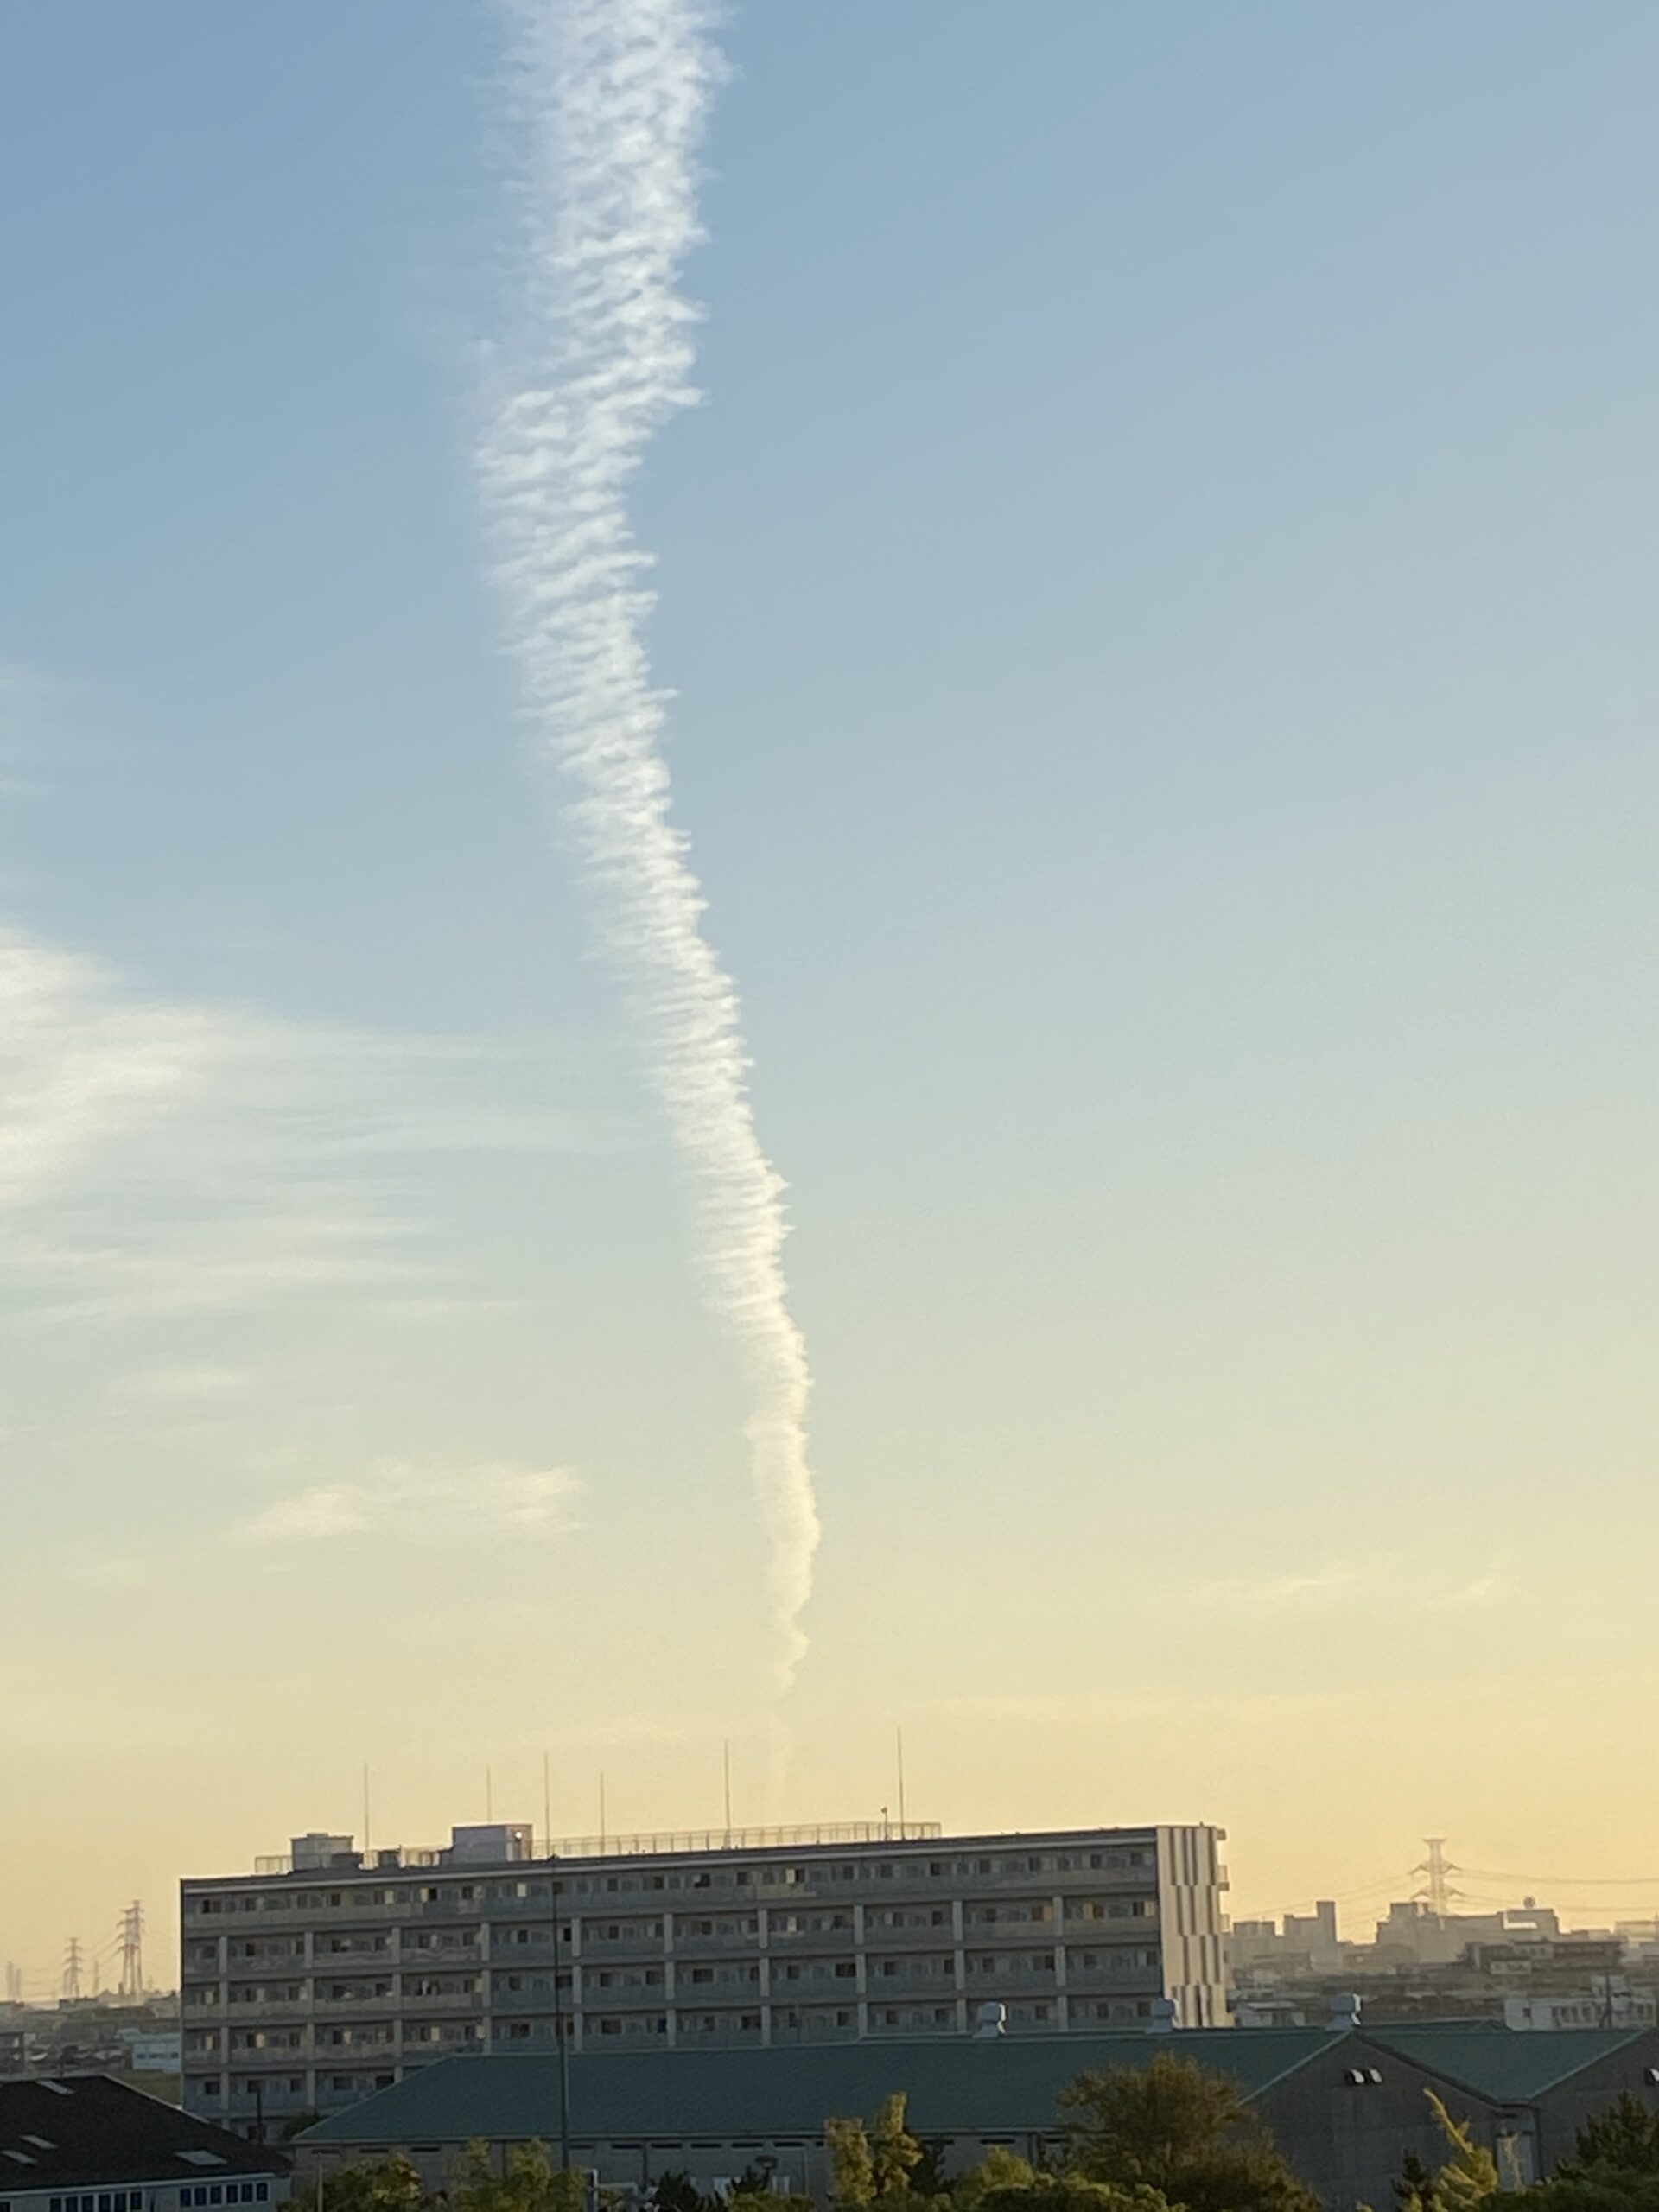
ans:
x=612 y=95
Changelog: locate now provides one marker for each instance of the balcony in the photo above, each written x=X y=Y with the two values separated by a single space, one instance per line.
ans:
x=447 y=2003
x=616 y=1999
x=1119 y=1974
x=887 y=1989
x=631 y=1946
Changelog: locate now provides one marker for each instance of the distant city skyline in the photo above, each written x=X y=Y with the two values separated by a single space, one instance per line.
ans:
x=1158 y=604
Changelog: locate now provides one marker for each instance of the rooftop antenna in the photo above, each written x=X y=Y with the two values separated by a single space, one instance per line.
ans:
x=726 y=1755
x=602 y=1812
x=547 y=1806
x=489 y=1796
x=898 y=1735
x=366 y=1808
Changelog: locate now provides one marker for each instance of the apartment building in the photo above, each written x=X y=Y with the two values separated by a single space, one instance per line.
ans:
x=330 y=1973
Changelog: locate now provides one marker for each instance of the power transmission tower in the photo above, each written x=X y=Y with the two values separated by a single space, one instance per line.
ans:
x=131 y=1928
x=69 y=1988
x=1437 y=1892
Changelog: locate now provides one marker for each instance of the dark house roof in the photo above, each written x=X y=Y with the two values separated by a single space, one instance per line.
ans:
x=1506 y=2066
x=954 y=2087
x=85 y=2131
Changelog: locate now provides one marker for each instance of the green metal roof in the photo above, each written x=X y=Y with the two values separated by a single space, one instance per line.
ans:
x=1005 y=2086
x=1505 y=2066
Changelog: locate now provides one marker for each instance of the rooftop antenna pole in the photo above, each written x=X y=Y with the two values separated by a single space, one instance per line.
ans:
x=900 y=1734
x=489 y=1796
x=366 y=1808
x=602 y=1812
x=547 y=1808
x=726 y=1750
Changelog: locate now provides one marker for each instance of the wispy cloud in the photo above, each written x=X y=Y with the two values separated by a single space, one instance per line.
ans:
x=1386 y=1582
x=1485 y=1590
x=163 y=1157
x=1283 y=1589
x=181 y=1385
x=417 y=1504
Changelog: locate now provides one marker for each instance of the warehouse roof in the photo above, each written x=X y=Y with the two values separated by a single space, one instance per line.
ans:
x=77 y=2131
x=1007 y=2085
x=1505 y=2066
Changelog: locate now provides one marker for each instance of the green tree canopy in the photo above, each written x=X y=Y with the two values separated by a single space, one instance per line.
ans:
x=1470 y=2174
x=527 y=2180
x=1599 y=2187
x=1177 y=2128
x=1071 y=2193
x=1000 y=2168
x=852 y=2168
x=895 y=2153
x=374 y=2185
x=1625 y=2136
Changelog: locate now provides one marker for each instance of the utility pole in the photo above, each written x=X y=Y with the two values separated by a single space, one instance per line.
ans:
x=69 y=1987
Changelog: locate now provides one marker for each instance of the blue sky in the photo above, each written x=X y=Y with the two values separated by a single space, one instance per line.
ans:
x=1159 y=596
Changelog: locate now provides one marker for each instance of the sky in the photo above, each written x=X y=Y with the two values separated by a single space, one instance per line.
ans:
x=1159 y=599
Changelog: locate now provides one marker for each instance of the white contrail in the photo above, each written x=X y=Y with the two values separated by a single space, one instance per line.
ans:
x=613 y=95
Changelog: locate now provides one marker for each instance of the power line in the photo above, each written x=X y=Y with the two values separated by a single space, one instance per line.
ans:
x=1569 y=1881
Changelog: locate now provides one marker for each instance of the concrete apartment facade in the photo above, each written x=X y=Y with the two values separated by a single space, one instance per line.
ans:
x=322 y=1978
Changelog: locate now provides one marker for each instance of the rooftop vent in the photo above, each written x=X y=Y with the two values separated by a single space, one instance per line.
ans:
x=1166 y=2016
x=989 y=2022
x=1344 y=2012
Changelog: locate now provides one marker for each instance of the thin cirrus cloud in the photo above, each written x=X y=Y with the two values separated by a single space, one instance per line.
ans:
x=1389 y=1582
x=398 y=1499
x=163 y=1157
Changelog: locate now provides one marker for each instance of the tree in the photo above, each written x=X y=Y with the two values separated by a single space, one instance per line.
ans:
x=1414 y=2188
x=1000 y=2169
x=1174 y=2127
x=928 y=2178
x=374 y=2185
x=1071 y=2193
x=852 y=2169
x=1625 y=2136
x=1470 y=2175
x=765 y=2198
x=1600 y=2187
x=677 y=2192
x=895 y=2153
x=528 y=2182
